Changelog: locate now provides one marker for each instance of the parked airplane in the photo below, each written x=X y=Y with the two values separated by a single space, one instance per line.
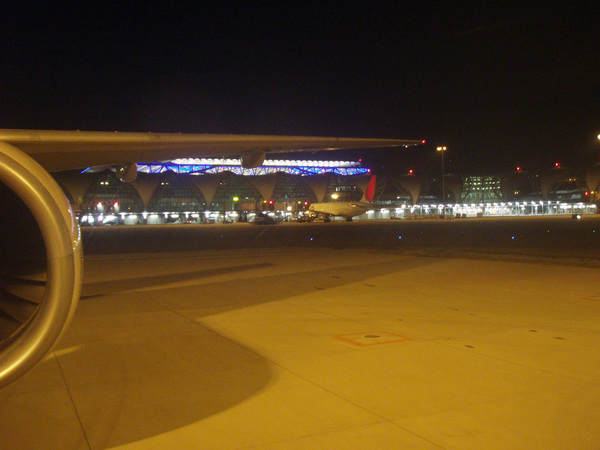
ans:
x=348 y=210
x=40 y=249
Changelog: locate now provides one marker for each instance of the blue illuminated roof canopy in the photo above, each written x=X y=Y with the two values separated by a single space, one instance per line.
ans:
x=199 y=166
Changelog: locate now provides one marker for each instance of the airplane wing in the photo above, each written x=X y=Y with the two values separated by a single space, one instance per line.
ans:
x=61 y=150
x=41 y=249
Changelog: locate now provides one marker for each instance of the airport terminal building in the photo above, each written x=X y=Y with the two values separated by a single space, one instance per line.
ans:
x=217 y=190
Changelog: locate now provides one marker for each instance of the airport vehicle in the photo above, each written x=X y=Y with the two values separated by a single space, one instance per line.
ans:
x=263 y=219
x=41 y=250
x=348 y=210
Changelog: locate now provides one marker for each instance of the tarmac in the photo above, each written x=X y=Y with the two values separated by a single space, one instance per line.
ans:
x=460 y=334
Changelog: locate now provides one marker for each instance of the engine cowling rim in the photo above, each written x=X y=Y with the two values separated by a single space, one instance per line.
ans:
x=52 y=212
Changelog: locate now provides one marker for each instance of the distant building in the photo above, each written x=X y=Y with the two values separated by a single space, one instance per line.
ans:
x=481 y=189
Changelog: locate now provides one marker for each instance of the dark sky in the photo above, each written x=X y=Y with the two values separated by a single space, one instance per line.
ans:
x=499 y=86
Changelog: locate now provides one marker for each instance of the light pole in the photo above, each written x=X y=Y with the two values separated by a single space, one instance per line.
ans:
x=442 y=150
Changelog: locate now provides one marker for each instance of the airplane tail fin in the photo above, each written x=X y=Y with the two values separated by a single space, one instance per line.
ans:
x=368 y=197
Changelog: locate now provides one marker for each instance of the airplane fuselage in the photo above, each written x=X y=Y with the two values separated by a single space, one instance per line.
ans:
x=348 y=210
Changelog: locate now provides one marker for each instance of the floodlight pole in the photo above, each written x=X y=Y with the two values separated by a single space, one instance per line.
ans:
x=442 y=150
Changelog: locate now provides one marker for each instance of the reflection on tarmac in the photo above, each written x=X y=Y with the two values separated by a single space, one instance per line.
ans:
x=354 y=335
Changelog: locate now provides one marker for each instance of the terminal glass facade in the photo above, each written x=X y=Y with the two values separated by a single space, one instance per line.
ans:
x=291 y=189
x=234 y=190
x=342 y=189
x=570 y=189
x=390 y=192
x=176 y=193
x=108 y=194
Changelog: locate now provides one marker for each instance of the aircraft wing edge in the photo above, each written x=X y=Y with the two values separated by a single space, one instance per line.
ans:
x=61 y=150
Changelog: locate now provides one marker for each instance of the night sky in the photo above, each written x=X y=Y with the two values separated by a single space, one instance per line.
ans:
x=499 y=87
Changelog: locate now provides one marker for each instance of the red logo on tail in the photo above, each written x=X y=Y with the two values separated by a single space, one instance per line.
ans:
x=370 y=190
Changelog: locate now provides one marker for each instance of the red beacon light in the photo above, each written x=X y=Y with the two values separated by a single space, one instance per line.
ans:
x=518 y=168
x=410 y=172
x=557 y=165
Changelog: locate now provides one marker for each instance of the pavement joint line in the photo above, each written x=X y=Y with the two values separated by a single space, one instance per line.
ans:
x=72 y=400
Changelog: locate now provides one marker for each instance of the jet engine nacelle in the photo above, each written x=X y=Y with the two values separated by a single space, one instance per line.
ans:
x=254 y=159
x=40 y=263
